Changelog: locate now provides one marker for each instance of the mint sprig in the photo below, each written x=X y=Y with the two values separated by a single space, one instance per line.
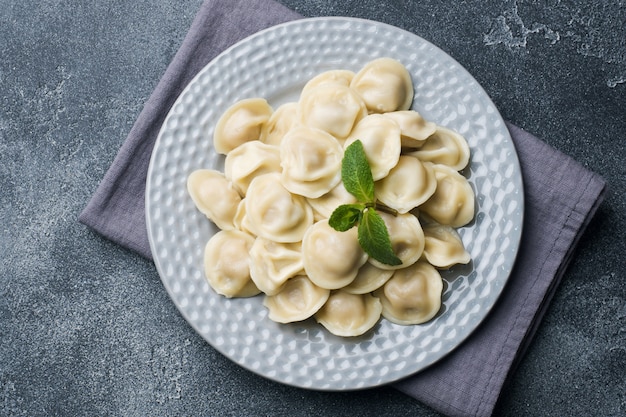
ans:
x=373 y=235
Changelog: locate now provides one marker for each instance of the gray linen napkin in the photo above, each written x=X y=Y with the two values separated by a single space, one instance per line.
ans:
x=561 y=197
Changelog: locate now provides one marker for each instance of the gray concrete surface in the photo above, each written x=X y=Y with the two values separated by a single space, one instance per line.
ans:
x=86 y=328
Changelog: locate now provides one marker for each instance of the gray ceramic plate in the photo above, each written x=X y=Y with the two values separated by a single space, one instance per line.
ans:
x=275 y=64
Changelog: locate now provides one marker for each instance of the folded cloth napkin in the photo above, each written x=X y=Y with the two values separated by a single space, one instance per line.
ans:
x=561 y=196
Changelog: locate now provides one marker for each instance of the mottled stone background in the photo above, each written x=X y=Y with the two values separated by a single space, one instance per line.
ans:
x=86 y=328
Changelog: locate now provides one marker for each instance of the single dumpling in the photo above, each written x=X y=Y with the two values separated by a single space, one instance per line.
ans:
x=335 y=109
x=324 y=206
x=412 y=295
x=380 y=137
x=369 y=278
x=250 y=160
x=452 y=203
x=408 y=184
x=280 y=122
x=347 y=315
x=407 y=239
x=297 y=300
x=445 y=147
x=214 y=196
x=414 y=128
x=385 y=85
x=226 y=264
x=443 y=246
x=273 y=212
x=331 y=258
x=274 y=263
x=310 y=161
x=240 y=123
x=336 y=77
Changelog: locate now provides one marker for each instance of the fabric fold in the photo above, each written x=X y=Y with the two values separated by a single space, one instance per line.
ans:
x=561 y=196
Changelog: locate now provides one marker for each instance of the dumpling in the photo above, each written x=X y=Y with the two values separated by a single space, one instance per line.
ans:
x=214 y=196
x=412 y=295
x=274 y=263
x=250 y=160
x=297 y=300
x=335 y=109
x=346 y=314
x=381 y=141
x=414 y=128
x=240 y=123
x=409 y=184
x=280 y=122
x=368 y=279
x=445 y=147
x=338 y=77
x=331 y=259
x=453 y=201
x=226 y=263
x=310 y=161
x=324 y=206
x=443 y=246
x=385 y=85
x=407 y=239
x=273 y=212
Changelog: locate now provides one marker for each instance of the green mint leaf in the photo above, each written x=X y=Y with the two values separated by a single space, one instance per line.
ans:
x=356 y=173
x=374 y=238
x=345 y=216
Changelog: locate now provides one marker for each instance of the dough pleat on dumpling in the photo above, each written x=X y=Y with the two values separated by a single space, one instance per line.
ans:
x=227 y=263
x=297 y=300
x=273 y=212
x=412 y=295
x=310 y=161
x=250 y=160
x=331 y=258
x=381 y=141
x=452 y=203
x=444 y=147
x=348 y=315
x=284 y=118
x=274 y=263
x=443 y=246
x=385 y=85
x=214 y=196
x=407 y=239
x=410 y=183
x=240 y=123
x=414 y=128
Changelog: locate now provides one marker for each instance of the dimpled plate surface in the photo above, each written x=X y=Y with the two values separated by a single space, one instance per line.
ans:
x=275 y=64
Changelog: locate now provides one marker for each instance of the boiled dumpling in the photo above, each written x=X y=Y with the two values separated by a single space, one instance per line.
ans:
x=226 y=263
x=368 y=279
x=332 y=108
x=443 y=246
x=453 y=201
x=274 y=263
x=445 y=147
x=280 y=122
x=214 y=196
x=407 y=239
x=380 y=137
x=333 y=77
x=310 y=161
x=297 y=300
x=385 y=85
x=324 y=206
x=240 y=123
x=273 y=212
x=250 y=160
x=412 y=295
x=331 y=259
x=413 y=127
x=346 y=314
x=409 y=184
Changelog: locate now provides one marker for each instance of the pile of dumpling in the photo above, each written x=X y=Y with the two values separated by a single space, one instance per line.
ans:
x=282 y=181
